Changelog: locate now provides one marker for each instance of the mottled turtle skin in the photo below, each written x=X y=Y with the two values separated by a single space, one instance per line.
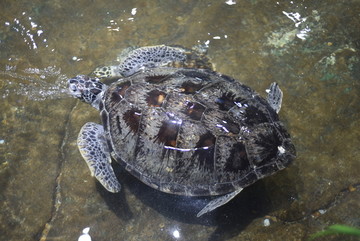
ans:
x=187 y=131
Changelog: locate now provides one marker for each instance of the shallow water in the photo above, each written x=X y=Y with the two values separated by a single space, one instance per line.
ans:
x=310 y=48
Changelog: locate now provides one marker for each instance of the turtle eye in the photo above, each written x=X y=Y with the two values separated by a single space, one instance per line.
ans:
x=73 y=88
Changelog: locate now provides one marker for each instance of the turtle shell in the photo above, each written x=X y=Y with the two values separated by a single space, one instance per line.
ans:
x=193 y=132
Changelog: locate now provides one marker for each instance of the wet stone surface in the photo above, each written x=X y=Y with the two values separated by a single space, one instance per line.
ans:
x=46 y=191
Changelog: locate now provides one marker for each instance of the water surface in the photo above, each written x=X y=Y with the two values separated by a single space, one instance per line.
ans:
x=311 y=48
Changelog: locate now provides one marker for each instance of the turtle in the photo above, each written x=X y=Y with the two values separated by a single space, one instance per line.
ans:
x=180 y=127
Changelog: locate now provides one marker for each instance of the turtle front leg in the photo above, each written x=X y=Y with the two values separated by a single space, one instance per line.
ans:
x=219 y=201
x=94 y=149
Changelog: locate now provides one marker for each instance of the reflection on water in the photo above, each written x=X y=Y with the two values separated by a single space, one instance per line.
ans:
x=310 y=48
x=35 y=84
x=29 y=30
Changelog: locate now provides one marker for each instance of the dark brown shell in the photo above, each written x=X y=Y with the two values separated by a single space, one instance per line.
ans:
x=193 y=132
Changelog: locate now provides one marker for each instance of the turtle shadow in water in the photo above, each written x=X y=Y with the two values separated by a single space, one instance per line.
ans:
x=269 y=196
x=116 y=201
x=253 y=202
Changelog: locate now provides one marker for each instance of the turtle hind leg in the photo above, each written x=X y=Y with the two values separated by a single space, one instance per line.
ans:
x=274 y=97
x=219 y=201
x=93 y=148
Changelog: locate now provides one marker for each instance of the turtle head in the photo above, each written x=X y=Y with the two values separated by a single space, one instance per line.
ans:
x=89 y=90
